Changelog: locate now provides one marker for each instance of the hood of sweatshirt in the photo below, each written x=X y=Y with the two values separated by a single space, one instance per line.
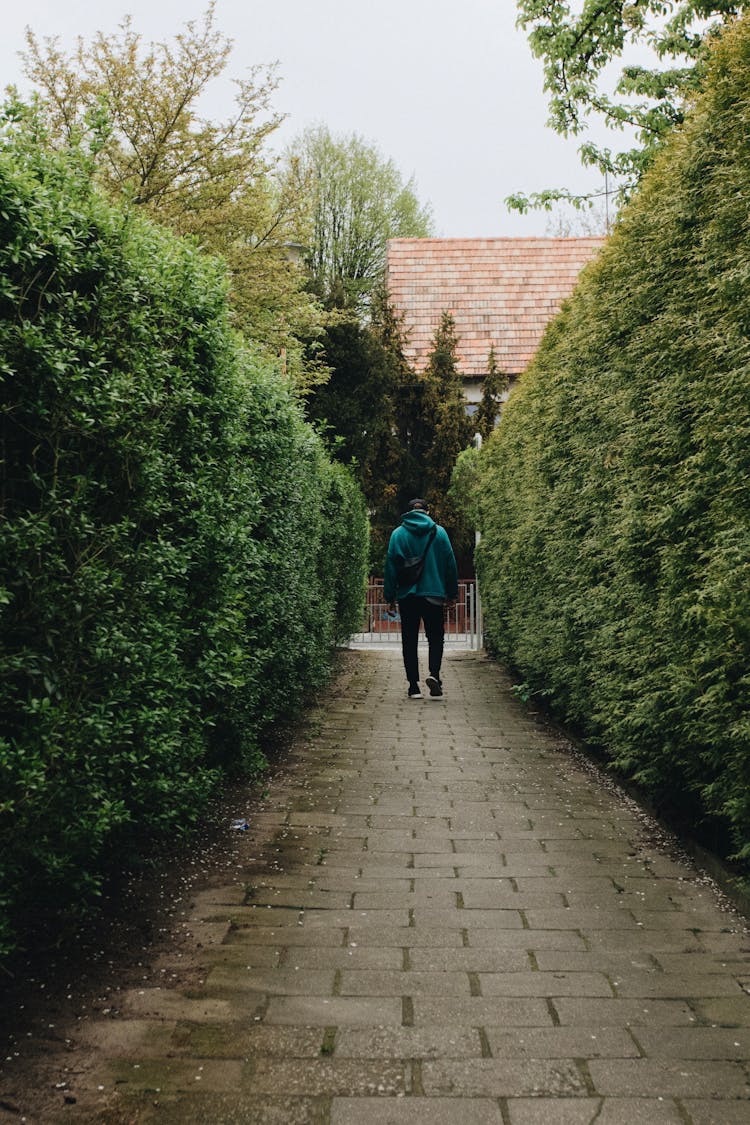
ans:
x=418 y=523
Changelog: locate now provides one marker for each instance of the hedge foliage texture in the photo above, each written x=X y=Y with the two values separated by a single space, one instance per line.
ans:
x=178 y=555
x=615 y=494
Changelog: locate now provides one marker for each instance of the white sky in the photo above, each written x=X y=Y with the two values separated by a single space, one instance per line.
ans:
x=447 y=88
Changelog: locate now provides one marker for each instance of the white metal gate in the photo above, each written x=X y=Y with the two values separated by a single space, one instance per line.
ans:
x=463 y=625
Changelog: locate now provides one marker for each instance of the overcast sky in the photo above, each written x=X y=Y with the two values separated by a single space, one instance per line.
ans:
x=447 y=88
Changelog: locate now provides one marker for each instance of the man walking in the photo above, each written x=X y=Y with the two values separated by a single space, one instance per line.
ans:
x=424 y=599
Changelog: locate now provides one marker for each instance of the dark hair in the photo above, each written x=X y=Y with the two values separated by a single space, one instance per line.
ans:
x=418 y=506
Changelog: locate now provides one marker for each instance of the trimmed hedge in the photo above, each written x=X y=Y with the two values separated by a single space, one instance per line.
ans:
x=615 y=498
x=178 y=555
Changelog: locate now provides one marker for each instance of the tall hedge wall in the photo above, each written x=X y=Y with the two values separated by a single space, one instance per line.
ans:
x=178 y=556
x=615 y=495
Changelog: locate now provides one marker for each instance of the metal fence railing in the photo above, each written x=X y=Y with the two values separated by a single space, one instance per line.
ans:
x=463 y=625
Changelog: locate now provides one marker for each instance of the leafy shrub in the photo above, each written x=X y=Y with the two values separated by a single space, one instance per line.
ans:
x=615 y=561
x=177 y=554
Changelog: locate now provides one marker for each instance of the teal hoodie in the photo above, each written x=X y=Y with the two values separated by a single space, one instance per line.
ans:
x=439 y=579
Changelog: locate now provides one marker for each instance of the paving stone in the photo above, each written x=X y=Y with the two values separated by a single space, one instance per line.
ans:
x=348 y=957
x=724 y=941
x=366 y=860
x=408 y=1043
x=561 y=1043
x=406 y=936
x=470 y=960
x=164 y=1075
x=517 y=863
x=718 y=1112
x=231 y=894
x=497 y=1078
x=614 y=899
x=624 y=1013
x=544 y=984
x=673 y=986
x=332 y=919
x=574 y=919
x=327 y=1076
x=466 y=862
x=239 y=1041
x=704 y=963
x=404 y=984
x=226 y=979
x=414 y=1111
x=726 y=1011
x=302 y=898
x=468 y=919
x=208 y=933
x=116 y=1037
x=692 y=1078
x=491 y=898
x=527 y=939
x=322 y=1011
x=427 y=896
x=480 y=1011
x=228 y=1108
x=639 y=941
x=247 y=956
x=694 y=1042
x=263 y=916
x=595 y=961
x=247 y=935
x=168 y=1004
x=606 y=1111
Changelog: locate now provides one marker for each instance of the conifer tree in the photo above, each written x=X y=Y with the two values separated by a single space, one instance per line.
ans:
x=371 y=410
x=445 y=415
x=495 y=385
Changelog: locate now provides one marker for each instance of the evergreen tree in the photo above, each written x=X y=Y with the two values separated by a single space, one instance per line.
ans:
x=445 y=404
x=495 y=385
x=364 y=407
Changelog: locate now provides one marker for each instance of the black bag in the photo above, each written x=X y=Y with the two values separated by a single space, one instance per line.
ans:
x=410 y=570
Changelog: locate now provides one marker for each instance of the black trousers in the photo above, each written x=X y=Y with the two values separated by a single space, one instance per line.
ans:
x=413 y=610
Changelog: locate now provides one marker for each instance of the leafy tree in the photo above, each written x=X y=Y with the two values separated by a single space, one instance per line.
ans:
x=353 y=200
x=138 y=106
x=579 y=47
x=495 y=385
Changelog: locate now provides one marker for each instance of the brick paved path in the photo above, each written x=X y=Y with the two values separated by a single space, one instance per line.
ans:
x=451 y=920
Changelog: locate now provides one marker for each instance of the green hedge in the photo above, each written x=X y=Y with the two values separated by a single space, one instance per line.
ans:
x=615 y=494
x=178 y=556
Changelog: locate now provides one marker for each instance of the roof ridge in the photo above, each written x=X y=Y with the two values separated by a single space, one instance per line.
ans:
x=505 y=238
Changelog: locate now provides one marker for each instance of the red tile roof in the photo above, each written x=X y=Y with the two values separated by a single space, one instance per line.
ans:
x=500 y=291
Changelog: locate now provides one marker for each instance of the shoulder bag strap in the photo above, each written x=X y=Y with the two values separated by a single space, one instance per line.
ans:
x=430 y=538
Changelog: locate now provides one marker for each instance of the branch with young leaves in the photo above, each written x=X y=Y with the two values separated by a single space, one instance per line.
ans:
x=578 y=50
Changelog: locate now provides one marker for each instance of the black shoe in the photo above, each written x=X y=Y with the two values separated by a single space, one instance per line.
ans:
x=415 y=692
x=435 y=685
